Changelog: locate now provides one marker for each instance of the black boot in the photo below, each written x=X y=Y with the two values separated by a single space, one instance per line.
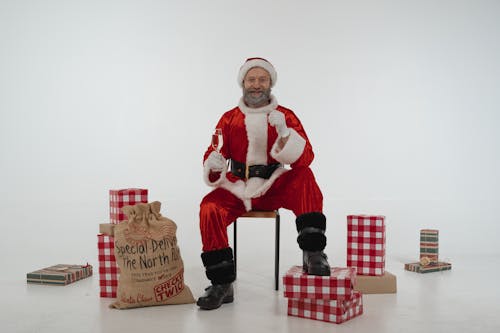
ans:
x=315 y=263
x=220 y=270
x=215 y=295
x=312 y=240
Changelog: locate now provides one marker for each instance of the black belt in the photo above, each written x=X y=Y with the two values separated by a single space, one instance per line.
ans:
x=262 y=171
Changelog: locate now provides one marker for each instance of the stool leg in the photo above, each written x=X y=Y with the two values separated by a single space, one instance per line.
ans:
x=276 y=253
x=234 y=245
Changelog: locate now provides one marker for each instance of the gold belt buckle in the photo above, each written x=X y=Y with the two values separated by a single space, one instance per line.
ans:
x=246 y=171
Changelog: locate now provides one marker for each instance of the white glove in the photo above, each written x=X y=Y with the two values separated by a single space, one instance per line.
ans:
x=215 y=162
x=277 y=119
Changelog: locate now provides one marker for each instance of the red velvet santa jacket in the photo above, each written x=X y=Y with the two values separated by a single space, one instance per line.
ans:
x=248 y=138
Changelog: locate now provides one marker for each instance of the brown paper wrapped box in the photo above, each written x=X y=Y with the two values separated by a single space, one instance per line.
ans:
x=383 y=284
x=107 y=229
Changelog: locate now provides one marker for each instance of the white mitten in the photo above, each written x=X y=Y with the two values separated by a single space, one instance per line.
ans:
x=215 y=162
x=277 y=119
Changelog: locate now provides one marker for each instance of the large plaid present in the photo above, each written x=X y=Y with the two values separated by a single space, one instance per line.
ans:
x=124 y=197
x=338 y=286
x=366 y=244
x=334 y=311
x=108 y=270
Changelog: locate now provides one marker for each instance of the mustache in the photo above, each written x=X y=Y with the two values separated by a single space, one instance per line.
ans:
x=256 y=90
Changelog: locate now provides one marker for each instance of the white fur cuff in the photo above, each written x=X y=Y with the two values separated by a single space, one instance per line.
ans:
x=291 y=151
x=206 y=173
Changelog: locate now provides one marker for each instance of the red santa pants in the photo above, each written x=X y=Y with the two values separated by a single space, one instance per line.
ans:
x=295 y=190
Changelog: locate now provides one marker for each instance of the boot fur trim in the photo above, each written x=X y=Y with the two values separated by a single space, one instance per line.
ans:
x=314 y=219
x=215 y=257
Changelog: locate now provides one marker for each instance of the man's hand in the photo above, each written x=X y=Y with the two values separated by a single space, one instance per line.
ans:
x=277 y=119
x=215 y=161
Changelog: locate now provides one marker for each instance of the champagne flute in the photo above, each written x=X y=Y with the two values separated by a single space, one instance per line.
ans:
x=217 y=140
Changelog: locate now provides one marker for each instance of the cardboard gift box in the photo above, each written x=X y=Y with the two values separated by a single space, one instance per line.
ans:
x=334 y=311
x=107 y=229
x=124 y=197
x=433 y=267
x=108 y=270
x=383 y=284
x=338 y=286
x=366 y=244
x=61 y=274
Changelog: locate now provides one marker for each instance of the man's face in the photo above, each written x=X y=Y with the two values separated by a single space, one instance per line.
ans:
x=257 y=87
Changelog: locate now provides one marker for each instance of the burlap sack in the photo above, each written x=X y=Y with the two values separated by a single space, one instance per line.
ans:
x=151 y=268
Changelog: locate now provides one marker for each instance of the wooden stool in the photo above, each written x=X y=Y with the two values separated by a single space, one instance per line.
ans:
x=264 y=214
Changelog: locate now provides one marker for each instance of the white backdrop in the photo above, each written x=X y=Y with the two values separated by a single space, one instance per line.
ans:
x=399 y=98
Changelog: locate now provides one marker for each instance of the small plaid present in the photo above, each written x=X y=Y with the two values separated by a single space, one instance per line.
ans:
x=333 y=311
x=434 y=267
x=124 y=197
x=366 y=244
x=339 y=285
x=108 y=270
x=61 y=274
x=429 y=245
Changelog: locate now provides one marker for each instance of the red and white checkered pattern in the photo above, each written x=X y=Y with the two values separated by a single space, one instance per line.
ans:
x=124 y=197
x=108 y=270
x=334 y=311
x=338 y=286
x=366 y=244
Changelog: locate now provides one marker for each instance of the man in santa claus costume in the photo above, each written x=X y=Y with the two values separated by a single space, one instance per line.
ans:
x=259 y=138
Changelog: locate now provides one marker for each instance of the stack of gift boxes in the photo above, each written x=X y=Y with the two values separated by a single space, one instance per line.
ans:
x=108 y=270
x=338 y=297
x=326 y=298
x=429 y=254
x=366 y=253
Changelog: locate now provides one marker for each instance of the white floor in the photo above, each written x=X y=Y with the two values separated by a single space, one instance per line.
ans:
x=465 y=299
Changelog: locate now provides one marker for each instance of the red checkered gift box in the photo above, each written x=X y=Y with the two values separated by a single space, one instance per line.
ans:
x=124 y=197
x=338 y=286
x=108 y=270
x=334 y=311
x=366 y=244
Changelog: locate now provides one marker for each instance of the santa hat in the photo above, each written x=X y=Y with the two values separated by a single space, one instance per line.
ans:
x=257 y=62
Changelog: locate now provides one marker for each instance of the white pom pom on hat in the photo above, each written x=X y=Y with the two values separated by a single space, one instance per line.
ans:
x=257 y=62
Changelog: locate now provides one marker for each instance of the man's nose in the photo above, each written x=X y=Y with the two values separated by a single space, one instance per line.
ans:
x=256 y=84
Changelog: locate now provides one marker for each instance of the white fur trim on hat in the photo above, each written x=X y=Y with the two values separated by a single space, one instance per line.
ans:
x=257 y=62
